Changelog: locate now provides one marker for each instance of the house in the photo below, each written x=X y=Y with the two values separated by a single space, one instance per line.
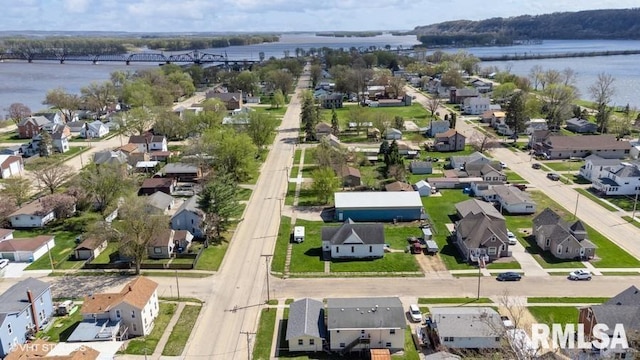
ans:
x=418 y=167
x=487 y=171
x=148 y=167
x=182 y=172
x=149 y=142
x=562 y=240
x=323 y=129
x=596 y=167
x=134 y=155
x=398 y=186
x=535 y=124
x=331 y=101
x=621 y=179
x=12 y=150
x=498 y=119
x=621 y=309
x=423 y=188
x=407 y=150
x=56 y=116
x=306 y=330
x=10 y=165
x=466 y=327
x=31 y=126
x=89 y=248
x=482 y=86
x=76 y=126
x=189 y=217
x=452 y=182
x=565 y=147
x=476 y=105
x=481 y=232
x=231 y=100
x=442 y=355
x=450 y=140
x=514 y=200
x=159 y=202
x=393 y=134
x=365 y=323
x=378 y=206
x=110 y=157
x=581 y=126
x=60 y=141
x=334 y=141
x=6 y=234
x=459 y=161
x=438 y=127
x=24 y=309
x=32 y=215
x=457 y=96
x=350 y=176
x=52 y=128
x=93 y=130
x=110 y=316
x=353 y=241
x=26 y=249
x=165 y=244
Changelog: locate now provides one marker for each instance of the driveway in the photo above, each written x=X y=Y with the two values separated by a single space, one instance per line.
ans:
x=14 y=270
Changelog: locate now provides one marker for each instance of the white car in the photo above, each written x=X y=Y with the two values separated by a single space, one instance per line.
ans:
x=414 y=312
x=3 y=263
x=580 y=275
x=512 y=238
x=503 y=165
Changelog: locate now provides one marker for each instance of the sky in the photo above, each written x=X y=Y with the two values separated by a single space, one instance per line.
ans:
x=268 y=15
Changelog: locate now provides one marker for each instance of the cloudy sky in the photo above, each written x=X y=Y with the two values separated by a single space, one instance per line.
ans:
x=268 y=15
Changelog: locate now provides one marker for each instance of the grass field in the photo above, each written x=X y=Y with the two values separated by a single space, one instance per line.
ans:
x=554 y=314
x=416 y=113
x=212 y=256
x=282 y=242
x=595 y=198
x=466 y=300
x=564 y=166
x=147 y=344
x=63 y=326
x=566 y=300
x=264 y=336
x=181 y=331
x=60 y=253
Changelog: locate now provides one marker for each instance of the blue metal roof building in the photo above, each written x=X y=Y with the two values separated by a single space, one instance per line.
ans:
x=378 y=206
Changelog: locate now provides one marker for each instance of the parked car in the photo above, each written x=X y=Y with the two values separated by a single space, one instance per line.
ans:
x=509 y=276
x=512 y=238
x=508 y=324
x=4 y=263
x=414 y=312
x=536 y=166
x=503 y=165
x=580 y=275
x=553 y=176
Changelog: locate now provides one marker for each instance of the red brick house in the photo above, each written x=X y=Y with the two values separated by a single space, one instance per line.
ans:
x=232 y=101
x=31 y=126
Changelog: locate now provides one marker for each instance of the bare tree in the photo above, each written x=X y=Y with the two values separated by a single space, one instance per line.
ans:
x=18 y=111
x=17 y=188
x=601 y=92
x=433 y=104
x=568 y=76
x=535 y=74
x=552 y=76
x=63 y=101
x=52 y=177
x=481 y=142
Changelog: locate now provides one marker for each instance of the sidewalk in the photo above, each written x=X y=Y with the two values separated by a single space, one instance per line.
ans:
x=157 y=353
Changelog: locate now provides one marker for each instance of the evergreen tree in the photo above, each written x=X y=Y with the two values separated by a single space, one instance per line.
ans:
x=219 y=202
x=384 y=148
x=393 y=156
x=398 y=122
x=516 y=112
x=335 y=125
x=309 y=116
x=45 y=144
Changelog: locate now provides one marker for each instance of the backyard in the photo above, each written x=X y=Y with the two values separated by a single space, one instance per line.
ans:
x=554 y=314
x=416 y=113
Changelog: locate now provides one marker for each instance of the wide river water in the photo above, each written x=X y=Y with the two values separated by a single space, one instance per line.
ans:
x=28 y=83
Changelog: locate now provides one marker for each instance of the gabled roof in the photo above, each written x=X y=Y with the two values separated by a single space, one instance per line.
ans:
x=135 y=293
x=190 y=205
x=157 y=183
x=448 y=134
x=5 y=232
x=146 y=139
x=36 y=120
x=377 y=199
x=420 y=184
x=352 y=233
x=90 y=243
x=398 y=186
x=180 y=168
x=475 y=206
x=35 y=207
x=160 y=200
x=630 y=296
x=596 y=142
x=365 y=313
x=306 y=318
x=467 y=322
x=418 y=164
x=598 y=161
x=626 y=170
x=110 y=157
x=349 y=171
x=512 y=195
x=323 y=127
x=163 y=238
x=623 y=308
x=476 y=229
x=14 y=299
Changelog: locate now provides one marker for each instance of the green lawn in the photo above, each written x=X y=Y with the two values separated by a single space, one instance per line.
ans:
x=309 y=156
x=11 y=137
x=243 y=194
x=181 y=331
x=454 y=300
x=623 y=202
x=504 y=265
x=565 y=166
x=308 y=169
x=63 y=327
x=629 y=219
x=396 y=235
x=296 y=157
x=291 y=192
x=60 y=253
x=390 y=263
x=212 y=256
x=566 y=300
x=307 y=197
x=104 y=258
x=266 y=327
x=595 y=198
x=416 y=113
x=610 y=254
x=276 y=112
x=555 y=314
x=147 y=344
x=445 y=155
x=514 y=178
x=307 y=256
x=282 y=242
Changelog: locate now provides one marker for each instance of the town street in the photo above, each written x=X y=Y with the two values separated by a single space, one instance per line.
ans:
x=239 y=289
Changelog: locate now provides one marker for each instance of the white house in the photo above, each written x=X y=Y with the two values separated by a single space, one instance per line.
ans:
x=423 y=188
x=353 y=241
x=60 y=141
x=76 y=126
x=393 y=134
x=596 y=167
x=514 y=200
x=438 y=127
x=466 y=327
x=149 y=142
x=6 y=234
x=635 y=149
x=26 y=249
x=365 y=323
x=31 y=215
x=476 y=105
x=10 y=165
x=189 y=217
x=622 y=179
x=535 y=124
x=109 y=316
x=306 y=330
x=93 y=130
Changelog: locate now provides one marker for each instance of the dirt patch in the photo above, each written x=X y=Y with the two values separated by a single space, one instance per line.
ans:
x=430 y=263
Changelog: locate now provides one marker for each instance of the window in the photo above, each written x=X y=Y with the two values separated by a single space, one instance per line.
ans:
x=559 y=250
x=548 y=242
x=353 y=249
x=157 y=250
x=392 y=331
x=133 y=314
x=342 y=345
x=312 y=341
x=361 y=331
x=497 y=339
x=370 y=249
x=388 y=344
x=118 y=314
x=337 y=249
x=135 y=327
x=492 y=250
x=300 y=342
x=9 y=329
x=41 y=301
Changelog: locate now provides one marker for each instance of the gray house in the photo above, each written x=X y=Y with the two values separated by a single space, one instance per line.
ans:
x=581 y=126
x=466 y=327
x=418 y=167
x=562 y=240
x=353 y=241
x=476 y=158
x=306 y=330
x=481 y=232
x=189 y=217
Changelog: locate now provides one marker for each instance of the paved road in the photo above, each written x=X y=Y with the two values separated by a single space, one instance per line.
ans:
x=240 y=283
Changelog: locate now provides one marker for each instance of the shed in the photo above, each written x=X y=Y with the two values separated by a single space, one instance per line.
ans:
x=423 y=188
x=298 y=234
x=426 y=233
x=378 y=206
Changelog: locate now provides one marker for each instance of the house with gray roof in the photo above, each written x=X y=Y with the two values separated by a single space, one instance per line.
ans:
x=419 y=167
x=623 y=309
x=159 y=202
x=24 y=309
x=365 y=323
x=306 y=329
x=596 y=167
x=481 y=232
x=110 y=157
x=353 y=241
x=621 y=179
x=182 y=172
x=514 y=200
x=31 y=126
x=565 y=147
x=457 y=162
x=491 y=171
x=581 y=126
x=189 y=217
x=561 y=239
x=466 y=327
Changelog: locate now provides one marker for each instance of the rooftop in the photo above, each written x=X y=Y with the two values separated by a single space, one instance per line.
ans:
x=365 y=313
x=14 y=299
x=24 y=244
x=377 y=199
x=306 y=318
x=136 y=293
x=466 y=321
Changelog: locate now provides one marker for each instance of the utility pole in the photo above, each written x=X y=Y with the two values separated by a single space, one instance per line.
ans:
x=479 y=276
x=50 y=258
x=248 y=342
x=177 y=285
x=635 y=205
x=266 y=264
x=575 y=212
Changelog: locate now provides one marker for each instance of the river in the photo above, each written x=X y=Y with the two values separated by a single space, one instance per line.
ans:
x=28 y=83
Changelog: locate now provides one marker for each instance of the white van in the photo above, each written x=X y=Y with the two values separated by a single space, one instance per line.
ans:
x=414 y=312
x=298 y=234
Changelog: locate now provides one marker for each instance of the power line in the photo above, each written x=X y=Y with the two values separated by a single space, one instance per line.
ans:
x=248 y=333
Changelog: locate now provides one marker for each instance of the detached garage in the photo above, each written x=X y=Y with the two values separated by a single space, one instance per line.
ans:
x=367 y=206
x=10 y=165
x=27 y=249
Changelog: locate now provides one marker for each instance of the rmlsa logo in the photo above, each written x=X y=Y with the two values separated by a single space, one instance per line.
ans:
x=566 y=337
